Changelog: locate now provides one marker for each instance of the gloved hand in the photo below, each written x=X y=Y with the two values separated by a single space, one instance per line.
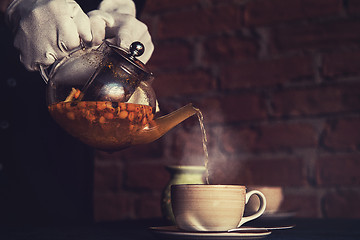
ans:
x=115 y=21
x=46 y=30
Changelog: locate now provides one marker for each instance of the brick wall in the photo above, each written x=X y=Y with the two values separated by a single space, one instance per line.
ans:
x=278 y=83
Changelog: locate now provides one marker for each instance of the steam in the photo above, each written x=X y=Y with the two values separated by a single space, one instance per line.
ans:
x=209 y=155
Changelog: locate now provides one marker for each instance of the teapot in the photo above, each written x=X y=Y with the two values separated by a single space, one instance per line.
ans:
x=103 y=96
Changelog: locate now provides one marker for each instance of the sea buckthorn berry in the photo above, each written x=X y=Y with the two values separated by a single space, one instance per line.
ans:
x=77 y=93
x=59 y=106
x=130 y=107
x=89 y=116
x=83 y=112
x=108 y=115
x=68 y=106
x=123 y=114
x=144 y=121
x=108 y=104
x=91 y=105
x=100 y=106
x=122 y=106
x=131 y=116
x=102 y=120
x=70 y=115
x=150 y=117
x=139 y=117
x=82 y=104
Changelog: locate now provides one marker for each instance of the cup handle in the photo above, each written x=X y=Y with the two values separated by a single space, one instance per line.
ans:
x=261 y=208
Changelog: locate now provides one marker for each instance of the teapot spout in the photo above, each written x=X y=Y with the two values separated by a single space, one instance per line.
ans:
x=165 y=123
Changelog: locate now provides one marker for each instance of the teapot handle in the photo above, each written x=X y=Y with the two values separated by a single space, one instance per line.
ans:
x=44 y=73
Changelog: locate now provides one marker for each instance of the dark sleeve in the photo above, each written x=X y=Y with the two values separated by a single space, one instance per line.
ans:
x=45 y=174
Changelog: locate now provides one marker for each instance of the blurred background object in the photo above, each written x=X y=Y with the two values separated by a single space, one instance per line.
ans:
x=274 y=198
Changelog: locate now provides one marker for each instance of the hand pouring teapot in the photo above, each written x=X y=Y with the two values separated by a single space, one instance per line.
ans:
x=103 y=97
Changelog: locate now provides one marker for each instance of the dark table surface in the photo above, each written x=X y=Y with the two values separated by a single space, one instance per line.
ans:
x=139 y=229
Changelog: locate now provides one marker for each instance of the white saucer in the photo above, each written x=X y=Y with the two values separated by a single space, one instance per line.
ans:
x=172 y=232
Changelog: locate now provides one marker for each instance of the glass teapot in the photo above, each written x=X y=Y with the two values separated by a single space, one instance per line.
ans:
x=103 y=96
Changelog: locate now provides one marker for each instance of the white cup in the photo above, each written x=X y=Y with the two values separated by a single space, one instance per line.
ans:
x=202 y=207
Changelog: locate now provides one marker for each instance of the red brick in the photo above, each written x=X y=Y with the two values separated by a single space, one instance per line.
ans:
x=342 y=204
x=344 y=134
x=170 y=56
x=272 y=137
x=108 y=177
x=341 y=63
x=146 y=176
x=286 y=136
x=224 y=50
x=265 y=73
x=323 y=35
x=200 y=22
x=282 y=171
x=160 y=6
x=338 y=170
x=236 y=140
x=233 y=108
x=151 y=23
x=151 y=150
x=318 y=100
x=183 y=83
x=275 y=172
x=304 y=204
x=112 y=207
x=265 y=12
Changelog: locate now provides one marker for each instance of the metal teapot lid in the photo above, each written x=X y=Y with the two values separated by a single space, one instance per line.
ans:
x=133 y=65
x=119 y=74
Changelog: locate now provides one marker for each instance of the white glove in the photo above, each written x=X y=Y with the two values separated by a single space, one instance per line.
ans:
x=46 y=30
x=115 y=21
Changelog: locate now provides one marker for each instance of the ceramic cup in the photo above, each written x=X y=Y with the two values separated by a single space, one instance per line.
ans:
x=202 y=207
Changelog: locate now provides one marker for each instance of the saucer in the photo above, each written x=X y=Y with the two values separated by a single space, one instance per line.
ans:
x=277 y=215
x=172 y=232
